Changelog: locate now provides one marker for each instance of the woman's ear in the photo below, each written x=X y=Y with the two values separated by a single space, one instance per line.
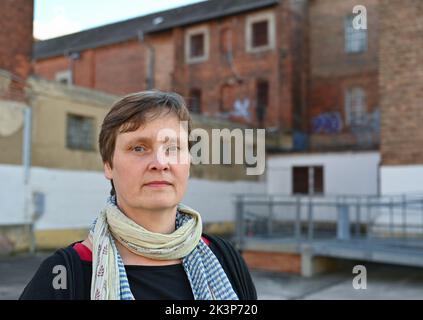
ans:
x=108 y=173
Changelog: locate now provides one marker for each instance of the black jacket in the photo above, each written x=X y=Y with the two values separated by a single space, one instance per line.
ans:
x=41 y=288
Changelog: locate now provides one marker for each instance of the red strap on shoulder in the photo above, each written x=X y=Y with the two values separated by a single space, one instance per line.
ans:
x=206 y=241
x=85 y=253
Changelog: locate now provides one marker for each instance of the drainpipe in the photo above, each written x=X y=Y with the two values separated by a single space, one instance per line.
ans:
x=26 y=160
x=151 y=60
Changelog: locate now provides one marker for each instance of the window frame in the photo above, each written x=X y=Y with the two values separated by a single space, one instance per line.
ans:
x=197 y=93
x=350 y=106
x=310 y=180
x=204 y=30
x=271 y=31
x=68 y=145
x=353 y=38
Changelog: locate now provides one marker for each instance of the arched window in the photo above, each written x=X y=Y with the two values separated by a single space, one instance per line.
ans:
x=355 y=106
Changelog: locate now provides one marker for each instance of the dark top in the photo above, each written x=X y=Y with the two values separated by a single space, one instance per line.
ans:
x=146 y=282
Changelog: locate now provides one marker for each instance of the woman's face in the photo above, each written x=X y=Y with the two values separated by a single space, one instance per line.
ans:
x=139 y=160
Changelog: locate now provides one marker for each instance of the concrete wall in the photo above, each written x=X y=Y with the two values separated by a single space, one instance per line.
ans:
x=11 y=131
x=401 y=179
x=74 y=198
x=51 y=102
x=345 y=173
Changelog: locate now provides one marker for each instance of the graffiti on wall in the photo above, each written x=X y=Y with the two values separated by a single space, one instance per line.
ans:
x=328 y=122
x=241 y=109
x=367 y=131
x=366 y=128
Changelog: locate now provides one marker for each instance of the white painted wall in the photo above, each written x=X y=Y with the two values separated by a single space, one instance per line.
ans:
x=11 y=194
x=74 y=198
x=401 y=179
x=215 y=199
x=346 y=173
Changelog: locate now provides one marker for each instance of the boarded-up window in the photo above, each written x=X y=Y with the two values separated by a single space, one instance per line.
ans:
x=195 y=100
x=260 y=33
x=80 y=132
x=307 y=180
x=262 y=99
x=197 y=45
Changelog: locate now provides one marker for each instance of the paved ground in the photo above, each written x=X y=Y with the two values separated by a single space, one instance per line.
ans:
x=383 y=282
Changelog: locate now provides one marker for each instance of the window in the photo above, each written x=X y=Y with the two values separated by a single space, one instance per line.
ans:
x=355 y=40
x=260 y=32
x=307 y=180
x=355 y=106
x=80 y=132
x=64 y=77
x=195 y=100
x=197 y=45
x=262 y=100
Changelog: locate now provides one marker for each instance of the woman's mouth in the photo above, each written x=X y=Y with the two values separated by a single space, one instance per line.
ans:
x=158 y=184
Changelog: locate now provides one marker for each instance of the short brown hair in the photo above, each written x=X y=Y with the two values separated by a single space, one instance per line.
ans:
x=132 y=111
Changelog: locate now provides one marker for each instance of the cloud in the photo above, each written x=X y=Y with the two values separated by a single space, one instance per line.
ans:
x=58 y=25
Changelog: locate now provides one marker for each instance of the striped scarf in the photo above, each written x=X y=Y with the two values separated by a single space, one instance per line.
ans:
x=109 y=280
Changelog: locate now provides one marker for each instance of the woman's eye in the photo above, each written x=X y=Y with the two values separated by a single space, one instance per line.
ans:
x=139 y=149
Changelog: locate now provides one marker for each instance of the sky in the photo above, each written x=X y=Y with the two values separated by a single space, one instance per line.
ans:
x=53 y=18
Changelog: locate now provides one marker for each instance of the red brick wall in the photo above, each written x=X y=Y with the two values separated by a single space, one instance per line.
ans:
x=117 y=69
x=16 y=36
x=332 y=70
x=212 y=75
x=401 y=81
x=122 y=68
x=47 y=68
x=273 y=261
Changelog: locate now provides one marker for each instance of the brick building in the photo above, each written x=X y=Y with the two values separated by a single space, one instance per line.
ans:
x=401 y=91
x=15 y=46
x=231 y=59
x=343 y=101
x=298 y=67
x=293 y=65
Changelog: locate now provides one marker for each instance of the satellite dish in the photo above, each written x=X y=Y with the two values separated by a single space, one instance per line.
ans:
x=11 y=117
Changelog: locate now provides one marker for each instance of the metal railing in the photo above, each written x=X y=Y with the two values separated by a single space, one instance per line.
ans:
x=395 y=219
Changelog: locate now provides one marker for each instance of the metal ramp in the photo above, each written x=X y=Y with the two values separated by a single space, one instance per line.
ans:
x=367 y=228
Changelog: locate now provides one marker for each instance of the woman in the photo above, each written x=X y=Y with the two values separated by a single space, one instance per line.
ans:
x=145 y=244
